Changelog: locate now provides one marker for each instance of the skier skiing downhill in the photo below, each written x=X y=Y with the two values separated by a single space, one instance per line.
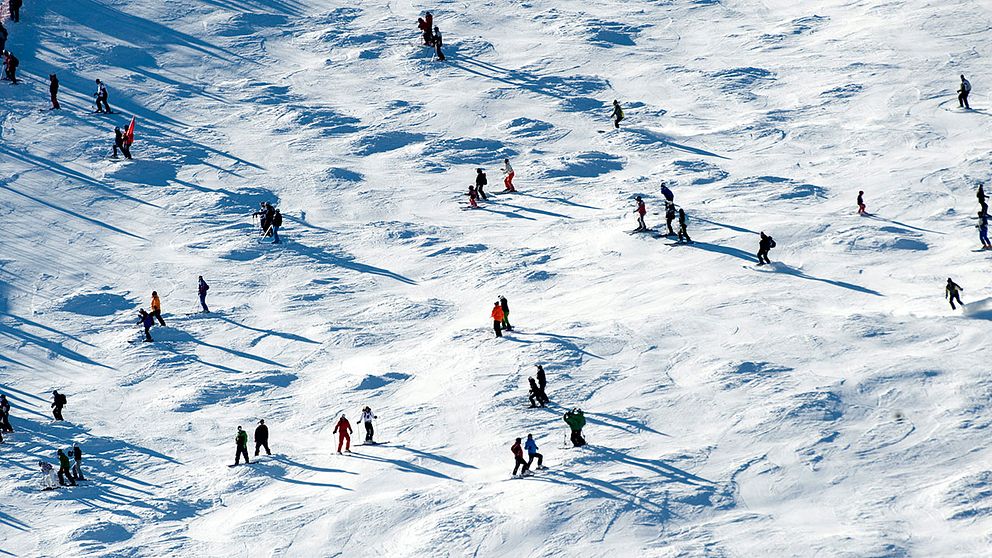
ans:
x=576 y=421
x=508 y=176
x=472 y=196
x=683 y=232
x=201 y=288
x=531 y=446
x=617 y=114
x=953 y=292
x=241 y=440
x=480 y=183
x=497 y=315
x=101 y=99
x=506 y=313
x=367 y=417
x=641 y=211
x=983 y=230
x=963 y=91
x=764 y=245
x=861 y=202
x=518 y=460
x=343 y=430
x=146 y=320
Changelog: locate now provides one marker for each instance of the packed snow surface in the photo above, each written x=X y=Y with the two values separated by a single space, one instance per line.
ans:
x=830 y=404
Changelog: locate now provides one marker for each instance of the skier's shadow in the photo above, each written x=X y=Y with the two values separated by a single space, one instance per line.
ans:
x=289 y=336
x=559 y=200
x=404 y=466
x=505 y=213
x=277 y=472
x=322 y=255
x=904 y=225
x=52 y=347
x=726 y=250
x=435 y=457
x=538 y=211
x=13 y=523
x=605 y=490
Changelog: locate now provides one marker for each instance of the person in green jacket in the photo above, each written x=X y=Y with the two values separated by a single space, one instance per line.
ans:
x=617 y=114
x=64 y=470
x=575 y=421
x=242 y=440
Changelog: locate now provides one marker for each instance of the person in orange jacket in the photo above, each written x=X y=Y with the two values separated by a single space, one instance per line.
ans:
x=343 y=430
x=498 y=319
x=157 y=308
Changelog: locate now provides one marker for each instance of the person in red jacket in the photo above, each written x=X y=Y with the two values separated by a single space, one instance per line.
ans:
x=641 y=211
x=518 y=459
x=343 y=430
x=498 y=319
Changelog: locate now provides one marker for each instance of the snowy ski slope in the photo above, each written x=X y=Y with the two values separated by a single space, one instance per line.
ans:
x=830 y=404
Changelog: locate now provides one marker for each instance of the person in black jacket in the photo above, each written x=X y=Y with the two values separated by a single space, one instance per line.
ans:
x=15 y=10
x=683 y=233
x=506 y=313
x=58 y=401
x=119 y=143
x=3 y=37
x=669 y=217
x=537 y=395
x=437 y=44
x=53 y=89
x=276 y=223
x=261 y=438
x=542 y=380
x=5 y=414
x=77 y=457
x=980 y=194
x=10 y=64
x=764 y=245
x=480 y=182
x=953 y=292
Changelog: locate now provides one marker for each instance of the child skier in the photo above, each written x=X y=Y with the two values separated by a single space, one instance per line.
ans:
x=472 y=196
x=576 y=421
x=861 y=202
x=146 y=320
x=641 y=212
x=101 y=99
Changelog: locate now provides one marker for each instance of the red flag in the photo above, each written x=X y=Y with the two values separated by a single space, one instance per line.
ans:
x=129 y=134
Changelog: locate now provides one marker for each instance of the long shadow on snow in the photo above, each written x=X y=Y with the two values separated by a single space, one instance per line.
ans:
x=323 y=256
x=185 y=336
x=278 y=473
x=559 y=200
x=563 y=340
x=38 y=341
x=289 y=336
x=538 y=211
x=726 y=226
x=552 y=86
x=247 y=7
x=504 y=213
x=605 y=490
x=404 y=466
x=13 y=522
x=787 y=270
x=654 y=137
x=434 y=456
x=921 y=229
x=72 y=213
x=630 y=426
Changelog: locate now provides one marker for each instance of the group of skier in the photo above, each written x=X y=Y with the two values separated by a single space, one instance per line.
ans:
x=431 y=34
x=270 y=220
x=501 y=316
x=343 y=429
x=477 y=190
x=68 y=473
x=261 y=441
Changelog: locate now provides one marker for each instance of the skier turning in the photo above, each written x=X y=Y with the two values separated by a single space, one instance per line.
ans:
x=641 y=211
x=367 y=417
x=764 y=245
x=963 y=91
x=953 y=292
x=518 y=460
x=343 y=430
x=617 y=114
x=508 y=176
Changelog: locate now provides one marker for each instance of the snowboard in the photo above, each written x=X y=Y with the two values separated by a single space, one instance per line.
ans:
x=372 y=444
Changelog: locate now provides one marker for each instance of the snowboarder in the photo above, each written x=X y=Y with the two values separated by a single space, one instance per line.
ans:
x=617 y=114
x=506 y=313
x=575 y=421
x=146 y=320
x=542 y=380
x=472 y=196
x=5 y=414
x=963 y=92
x=120 y=142
x=438 y=43
x=157 y=308
x=202 y=288
x=953 y=292
x=508 y=176
x=77 y=462
x=683 y=233
x=669 y=217
x=47 y=476
x=367 y=417
x=10 y=64
x=101 y=99
x=343 y=430
x=518 y=460
x=480 y=183
x=262 y=438
x=764 y=245
x=669 y=195
x=983 y=230
x=64 y=470
x=981 y=198
x=537 y=396
x=276 y=223
x=861 y=202
x=241 y=440
x=641 y=211
x=58 y=401
x=15 y=10
x=53 y=91
x=497 y=315
x=531 y=446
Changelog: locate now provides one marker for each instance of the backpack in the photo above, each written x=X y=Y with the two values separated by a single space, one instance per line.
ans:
x=966 y=85
x=277 y=219
x=60 y=399
x=771 y=242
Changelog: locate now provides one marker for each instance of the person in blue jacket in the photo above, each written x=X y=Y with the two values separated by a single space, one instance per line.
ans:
x=145 y=319
x=669 y=195
x=531 y=446
x=202 y=288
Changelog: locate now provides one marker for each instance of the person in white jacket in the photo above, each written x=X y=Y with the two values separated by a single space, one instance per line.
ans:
x=101 y=99
x=367 y=417
x=48 y=481
x=508 y=176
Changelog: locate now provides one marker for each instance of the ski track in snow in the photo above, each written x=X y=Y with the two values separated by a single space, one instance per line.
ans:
x=827 y=405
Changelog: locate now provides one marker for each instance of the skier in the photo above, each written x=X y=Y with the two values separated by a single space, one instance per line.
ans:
x=531 y=446
x=472 y=196
x=669 y=217
x=53 y=91
x=669 y=195
x=202 y=288
x=480 y=182
x=5 y=414
x=241 y=440
x=343 y=430
x=10 y=64
x=641 y=211
x=262 y=438
x=542 y=380
x=497 y=315
x=424 y=30
x=3 y=37
x=963 y=92
x=981 y=198
x=764 y=245
x=861 y=202
x=120 y=142
x=518 y=460
x=683 y=233
x=276 y=223
x=575 y=421
x=953 y=292
x=367 y=417
x=47 y=476
x=146 y=320
x=617 y=114
x=101 y=99
x=983 y=230
x=77 y=462
x=15 y=10
x=508 y=176
x=58 y=401
x=438 y=43
x=157 y=308
x=537 y=396
x=506 y=313
x=64 y=470
x=267 y=213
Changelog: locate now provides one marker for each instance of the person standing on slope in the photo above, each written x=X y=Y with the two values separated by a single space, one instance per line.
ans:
x=953 y=292
x=683 y=232
x=53 y=91
x=58 y=401
x=963 y=92
x=64 y=469
x=276 y=223
x=120 y=142
x=425 y=32
x=77 y=463
x=542 y=380
x=101 y=98
x=157 y=308
x=262 y=438
x=508 y=176
x=641 y=211
x=576 y=421
x=518 y=460
x=497 y=315
x=241 y=440
x=438 y=43
x=668 y=193
x=980 y=194
x=201 y=288
x=537 y=395
x=146 y=320
x=5 y=414
x=367 y=417
x=3 y=37
x=861 y=202
x=506 y=313
x=764 y=245
x=480 y=183
x=472 y=196
x=10 y=64
x=531 y=446
x=669 y=217
x=983 y=230
x=343 y=430
x=617 y=114
x=15 y=10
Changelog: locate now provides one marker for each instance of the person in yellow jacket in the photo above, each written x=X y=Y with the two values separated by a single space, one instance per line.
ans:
x=157 y=308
